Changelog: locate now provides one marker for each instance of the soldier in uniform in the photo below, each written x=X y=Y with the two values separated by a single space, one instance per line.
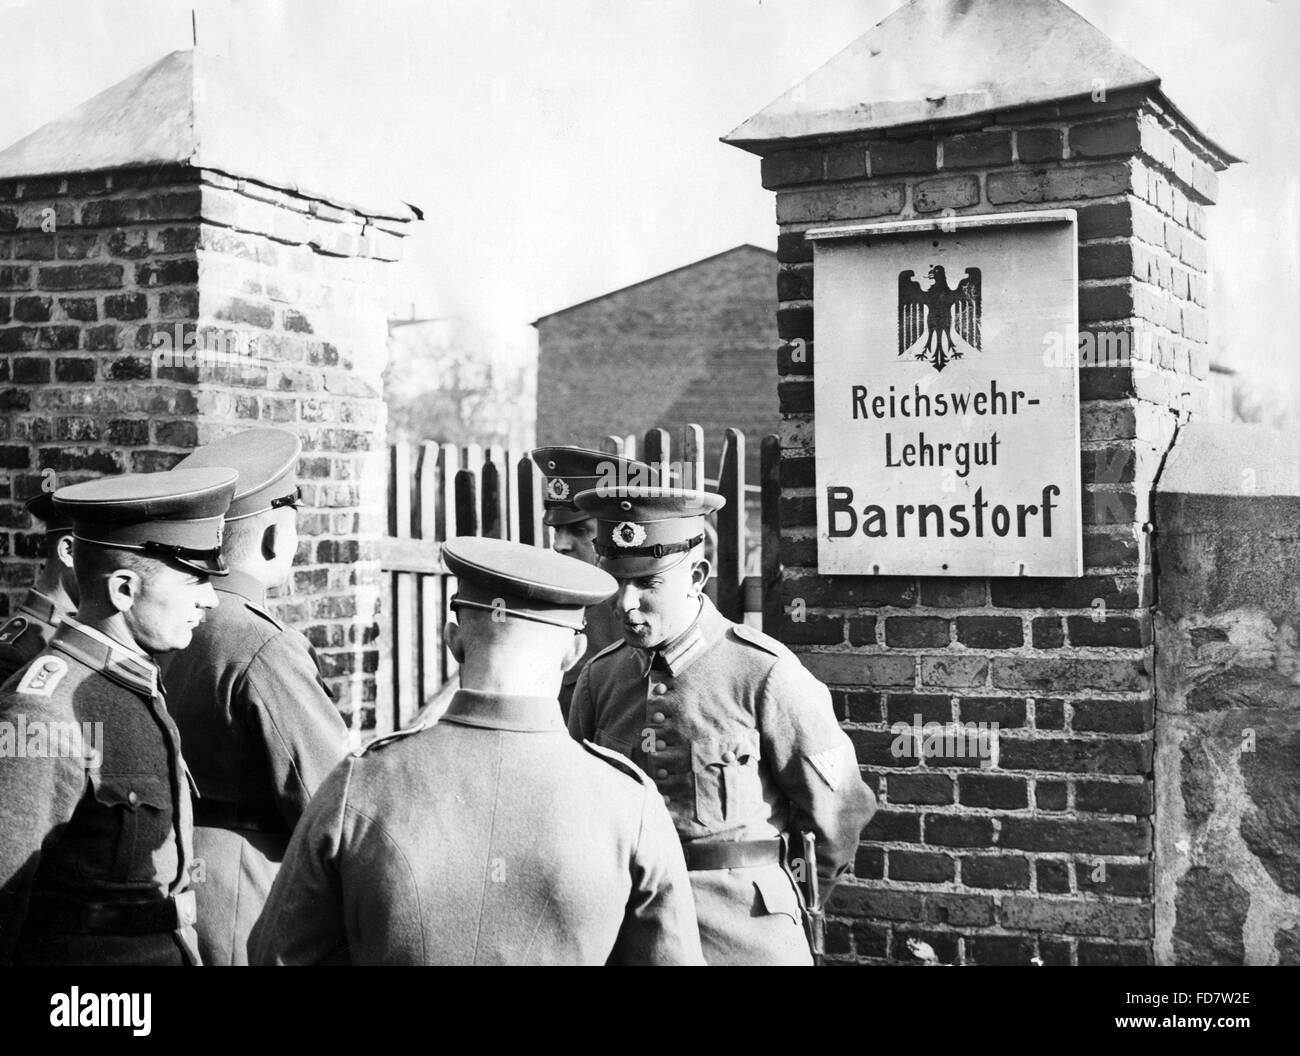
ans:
x=258 y=724
x=567 y=471
x=739 y=738
x=489 y=837
x=95 y=818
x=52 y=597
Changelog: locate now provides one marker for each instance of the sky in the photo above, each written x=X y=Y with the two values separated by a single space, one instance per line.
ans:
x=563 y=148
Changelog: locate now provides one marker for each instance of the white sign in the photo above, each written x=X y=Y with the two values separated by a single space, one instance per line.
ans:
x=947 y=422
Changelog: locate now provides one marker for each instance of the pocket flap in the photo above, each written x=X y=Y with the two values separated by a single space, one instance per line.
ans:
x=606 y=740
x=740 y=746
x=131 y=790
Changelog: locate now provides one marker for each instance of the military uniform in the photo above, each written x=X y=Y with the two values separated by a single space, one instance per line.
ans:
x=27 y=632
x=739 y=738
x=567 y=471
x=258 y=724
x=95 y=808
x=30 y=629
x=490 y=837
x=260 y=733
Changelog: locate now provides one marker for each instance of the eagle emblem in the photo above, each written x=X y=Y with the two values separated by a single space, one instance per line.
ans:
x=557 y=489
x=928 y=318
x=626 y=533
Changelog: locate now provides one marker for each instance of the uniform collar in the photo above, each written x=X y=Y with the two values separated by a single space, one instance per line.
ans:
x=42 y=607
x=244 y=585
x=124 y=665
x=502 y=711
x=682 y=651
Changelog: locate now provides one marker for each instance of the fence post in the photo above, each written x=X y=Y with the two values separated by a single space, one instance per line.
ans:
x=404 y=649
x=467 y=522
x=730 y=552
x=692 y=458
x=493 y=496
x=658 y=453
x=530 y=502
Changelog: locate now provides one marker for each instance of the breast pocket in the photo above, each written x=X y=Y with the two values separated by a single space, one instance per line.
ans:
x=727 y=786
x=131 y=817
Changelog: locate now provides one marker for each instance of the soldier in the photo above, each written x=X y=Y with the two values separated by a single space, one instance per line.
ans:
x=95 y=837
x=569 y=470
x=489 y=837
x=740 y=739
x=258 y=725
x=51 y=598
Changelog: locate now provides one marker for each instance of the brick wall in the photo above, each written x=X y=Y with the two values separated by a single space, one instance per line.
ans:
x=1047 y=854
x=280 y=292
x=694 y=345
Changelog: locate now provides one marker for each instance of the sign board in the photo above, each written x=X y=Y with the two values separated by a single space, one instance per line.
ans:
x=947 y=423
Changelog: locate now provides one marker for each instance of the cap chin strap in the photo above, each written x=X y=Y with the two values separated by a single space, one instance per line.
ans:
x=162 y=550
x=656 y=551
x=457 y=601
x=293 y=499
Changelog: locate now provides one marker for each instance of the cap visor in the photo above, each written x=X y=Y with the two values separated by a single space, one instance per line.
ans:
x=635 y=567
x=556 y=516
x=202 y=565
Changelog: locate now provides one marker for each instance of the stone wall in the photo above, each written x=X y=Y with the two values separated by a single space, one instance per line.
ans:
x=1046 y=856
x=147 y=311
x=1228 y=683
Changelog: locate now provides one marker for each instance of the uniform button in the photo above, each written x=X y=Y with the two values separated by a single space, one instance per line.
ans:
x=658 y=689
x=133 y=798
x=660 y=745
x=661 y=772
x=728 y=757
x=659 y=716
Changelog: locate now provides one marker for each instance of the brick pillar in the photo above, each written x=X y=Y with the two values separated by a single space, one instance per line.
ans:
x=1048 y=854
x=144 y=311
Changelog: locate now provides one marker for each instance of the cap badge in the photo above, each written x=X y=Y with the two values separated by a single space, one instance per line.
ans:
x=557 y=489
x=626 y=533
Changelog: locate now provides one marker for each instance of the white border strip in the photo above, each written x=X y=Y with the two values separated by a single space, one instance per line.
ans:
x=943 y=224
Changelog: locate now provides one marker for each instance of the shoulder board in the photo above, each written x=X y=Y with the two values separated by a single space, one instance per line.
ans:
x=265 y=615
x=757 y=638
x=389 y=738
x=618 y=762
x=611 y=648
x=12 y=630
x=42 y=676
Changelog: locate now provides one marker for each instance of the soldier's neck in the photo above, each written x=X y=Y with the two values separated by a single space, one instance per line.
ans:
x=110 y=624
x=50 y=583
x=509 y=676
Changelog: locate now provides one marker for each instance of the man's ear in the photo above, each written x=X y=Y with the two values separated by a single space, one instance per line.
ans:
x=451 y=638
x=123 y=588
x=270 y=541
x=576 y=651
x=700 y=575
x=63 y=550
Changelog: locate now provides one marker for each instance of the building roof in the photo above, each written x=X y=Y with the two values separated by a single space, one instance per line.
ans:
x=936 y=60
x=193 y=108
x=743 y=247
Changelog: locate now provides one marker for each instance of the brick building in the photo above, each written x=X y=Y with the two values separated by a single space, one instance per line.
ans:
x=1048 y=855
x=181 y=259
x=691 y=345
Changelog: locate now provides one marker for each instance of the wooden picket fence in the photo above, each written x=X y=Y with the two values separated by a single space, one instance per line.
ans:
x=439 y=491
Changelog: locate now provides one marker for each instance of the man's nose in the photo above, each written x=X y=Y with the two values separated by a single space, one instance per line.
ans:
x=629 y=598
x=208 y=596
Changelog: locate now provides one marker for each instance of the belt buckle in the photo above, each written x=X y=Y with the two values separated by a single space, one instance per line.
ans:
x=187 y=913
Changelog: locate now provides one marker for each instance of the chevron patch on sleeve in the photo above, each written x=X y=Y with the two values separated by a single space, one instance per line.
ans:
x=829 y=765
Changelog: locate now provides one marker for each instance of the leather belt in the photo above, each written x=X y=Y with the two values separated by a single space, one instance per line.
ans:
x=740 y=854
x=213 y=814
x=62 y=915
